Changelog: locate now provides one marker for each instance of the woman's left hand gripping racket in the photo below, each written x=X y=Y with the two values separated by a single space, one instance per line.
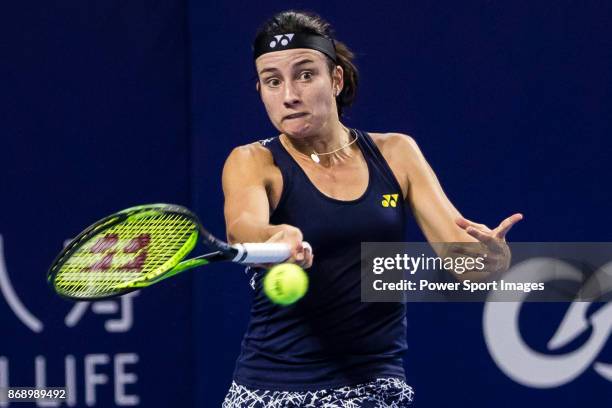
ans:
x=143 y=245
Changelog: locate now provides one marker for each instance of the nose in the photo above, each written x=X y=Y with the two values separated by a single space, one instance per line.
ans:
x=291 y=96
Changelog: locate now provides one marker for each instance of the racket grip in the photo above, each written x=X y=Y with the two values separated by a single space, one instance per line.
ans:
x=262 y=252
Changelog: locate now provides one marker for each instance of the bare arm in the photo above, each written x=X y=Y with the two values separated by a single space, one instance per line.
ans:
x=439 y=220
x=432 y=209
x=247 y=206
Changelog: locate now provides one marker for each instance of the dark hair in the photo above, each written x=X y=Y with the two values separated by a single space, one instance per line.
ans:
x=292 y=21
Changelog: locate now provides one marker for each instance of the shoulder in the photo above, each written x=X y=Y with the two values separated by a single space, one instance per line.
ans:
x=396 y=146
x=255 y=154
x=392 y=139
x=401 y=153
x=250 y=163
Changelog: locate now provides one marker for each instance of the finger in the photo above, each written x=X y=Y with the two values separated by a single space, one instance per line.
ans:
x=465 y=223
x=484 y=237
x=308 y=259
x=307 y=249
x=298 y=251
x=304 y=263
x=507 y=224
x=466 y=249
x=308 y=256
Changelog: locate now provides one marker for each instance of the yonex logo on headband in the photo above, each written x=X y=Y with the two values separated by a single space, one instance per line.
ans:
x=283 y=39
x=280 y=42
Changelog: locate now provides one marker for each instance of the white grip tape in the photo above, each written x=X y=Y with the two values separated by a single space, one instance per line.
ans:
x=254 y=253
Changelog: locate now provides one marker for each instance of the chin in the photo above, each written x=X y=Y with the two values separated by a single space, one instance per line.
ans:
x=298 y=132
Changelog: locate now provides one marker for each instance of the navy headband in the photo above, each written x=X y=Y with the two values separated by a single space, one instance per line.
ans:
x=270 y=43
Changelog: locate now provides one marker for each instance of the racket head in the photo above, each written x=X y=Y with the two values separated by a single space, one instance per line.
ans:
x=125 y=251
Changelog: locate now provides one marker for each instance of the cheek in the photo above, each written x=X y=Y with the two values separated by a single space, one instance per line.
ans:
x=322 y=102
x=272 y=105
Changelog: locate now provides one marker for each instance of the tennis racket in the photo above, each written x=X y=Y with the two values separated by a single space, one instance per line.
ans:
x=143 y=245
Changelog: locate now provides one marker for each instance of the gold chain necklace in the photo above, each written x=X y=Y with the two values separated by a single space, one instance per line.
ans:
x=315 y=156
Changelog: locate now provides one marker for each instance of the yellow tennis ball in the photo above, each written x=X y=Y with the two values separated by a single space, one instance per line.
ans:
x=285 y=283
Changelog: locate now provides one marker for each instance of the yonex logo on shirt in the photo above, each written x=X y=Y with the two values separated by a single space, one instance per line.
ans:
x=283 y=39
x=389 y=200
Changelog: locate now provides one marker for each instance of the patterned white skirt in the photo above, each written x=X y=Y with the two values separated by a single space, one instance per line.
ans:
x=381 y=393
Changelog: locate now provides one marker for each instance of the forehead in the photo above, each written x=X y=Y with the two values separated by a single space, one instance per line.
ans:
x=286 y=58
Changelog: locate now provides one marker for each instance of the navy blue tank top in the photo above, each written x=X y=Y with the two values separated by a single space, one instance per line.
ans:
x=329 y=338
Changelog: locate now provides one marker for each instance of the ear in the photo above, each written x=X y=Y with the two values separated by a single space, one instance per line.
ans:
x=257 y=86
x=338 y=78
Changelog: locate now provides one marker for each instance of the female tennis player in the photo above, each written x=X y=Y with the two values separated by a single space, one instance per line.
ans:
x=335 y=187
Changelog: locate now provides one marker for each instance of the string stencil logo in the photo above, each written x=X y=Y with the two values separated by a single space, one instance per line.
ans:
x=389 y=200
x=283 y=39
x=128 y=254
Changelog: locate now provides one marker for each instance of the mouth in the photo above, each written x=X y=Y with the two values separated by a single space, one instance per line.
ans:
x=295 y=115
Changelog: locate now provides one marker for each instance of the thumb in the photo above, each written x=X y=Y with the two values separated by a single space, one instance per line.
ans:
x=299 y=252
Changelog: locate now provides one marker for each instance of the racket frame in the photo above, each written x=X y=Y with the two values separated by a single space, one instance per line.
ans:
x=248 y=253
x=223 y=251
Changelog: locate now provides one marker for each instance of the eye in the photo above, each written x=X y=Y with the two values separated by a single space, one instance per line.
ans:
x=306 y=75
x=272 y=82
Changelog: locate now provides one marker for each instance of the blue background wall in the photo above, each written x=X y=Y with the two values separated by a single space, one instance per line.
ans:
x=95 y=117
x=110 y=104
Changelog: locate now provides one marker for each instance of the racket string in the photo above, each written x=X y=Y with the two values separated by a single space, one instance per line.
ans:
x=137 y=249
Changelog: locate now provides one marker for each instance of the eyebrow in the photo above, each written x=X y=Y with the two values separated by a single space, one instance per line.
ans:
x=299 y=63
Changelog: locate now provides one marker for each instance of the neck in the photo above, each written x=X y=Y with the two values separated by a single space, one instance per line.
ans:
x=329 y=139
